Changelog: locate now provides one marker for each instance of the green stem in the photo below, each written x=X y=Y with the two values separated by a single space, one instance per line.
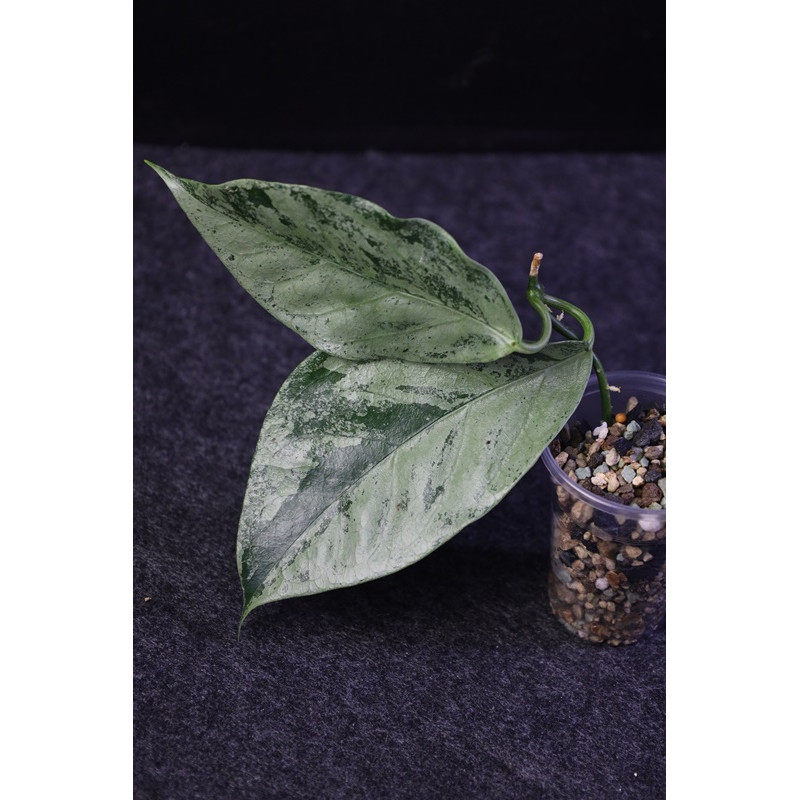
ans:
x=576 y=313
x=535 y=299
x=602 y=381
x=536 y=296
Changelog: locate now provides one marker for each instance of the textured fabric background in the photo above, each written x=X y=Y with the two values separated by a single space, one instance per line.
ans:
x=449 y=679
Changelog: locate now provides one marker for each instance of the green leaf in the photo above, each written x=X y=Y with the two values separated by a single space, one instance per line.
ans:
x=350 y=278
x=362 y=468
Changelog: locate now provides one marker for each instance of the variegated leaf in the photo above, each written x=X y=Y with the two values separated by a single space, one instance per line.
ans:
x=364 y=467
x=349 y=277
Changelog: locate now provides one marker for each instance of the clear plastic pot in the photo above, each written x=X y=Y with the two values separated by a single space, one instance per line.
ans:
x=607 y=580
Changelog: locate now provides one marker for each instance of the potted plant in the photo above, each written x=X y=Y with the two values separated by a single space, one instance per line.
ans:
x=421 y=407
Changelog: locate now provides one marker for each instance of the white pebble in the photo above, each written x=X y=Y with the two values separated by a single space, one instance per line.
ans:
x=601 y=584
x=601 y=431
x=650 y=525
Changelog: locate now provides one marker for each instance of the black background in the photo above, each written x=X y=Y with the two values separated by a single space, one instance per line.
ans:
x=410 y=75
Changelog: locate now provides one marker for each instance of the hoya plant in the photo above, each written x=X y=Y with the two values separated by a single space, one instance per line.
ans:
x=422 y=405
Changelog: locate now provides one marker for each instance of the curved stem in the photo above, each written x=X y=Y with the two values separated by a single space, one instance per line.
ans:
x=547 y=326
x=536 y=296
x=576 y=313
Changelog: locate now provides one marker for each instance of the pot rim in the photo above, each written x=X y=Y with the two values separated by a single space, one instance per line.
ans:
x=653 y=382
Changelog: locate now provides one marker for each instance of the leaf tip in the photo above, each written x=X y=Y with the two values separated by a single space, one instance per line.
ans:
x=247 y=606
x=245 y=612
x=165 y=175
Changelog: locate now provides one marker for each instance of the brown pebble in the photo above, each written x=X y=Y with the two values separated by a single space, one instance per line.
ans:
x=632 y=552
x=565 y=542
x=581 y=512
x=607 y=549
x=651 y=494
x=613 y=579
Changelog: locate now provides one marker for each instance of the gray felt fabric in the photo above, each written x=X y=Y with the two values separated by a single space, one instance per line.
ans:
x=449 y=679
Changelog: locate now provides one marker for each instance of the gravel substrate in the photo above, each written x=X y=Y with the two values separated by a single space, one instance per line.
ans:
x=608 y=576
x=626 y=461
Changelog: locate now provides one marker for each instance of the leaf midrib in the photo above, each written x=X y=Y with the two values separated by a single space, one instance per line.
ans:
x=430 y=300
x=391 y=454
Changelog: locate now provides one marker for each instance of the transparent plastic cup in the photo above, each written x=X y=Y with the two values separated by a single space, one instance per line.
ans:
x=607 y=580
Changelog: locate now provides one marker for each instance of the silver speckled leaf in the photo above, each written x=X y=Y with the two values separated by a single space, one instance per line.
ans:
x=350 y=278
x=362 y=468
